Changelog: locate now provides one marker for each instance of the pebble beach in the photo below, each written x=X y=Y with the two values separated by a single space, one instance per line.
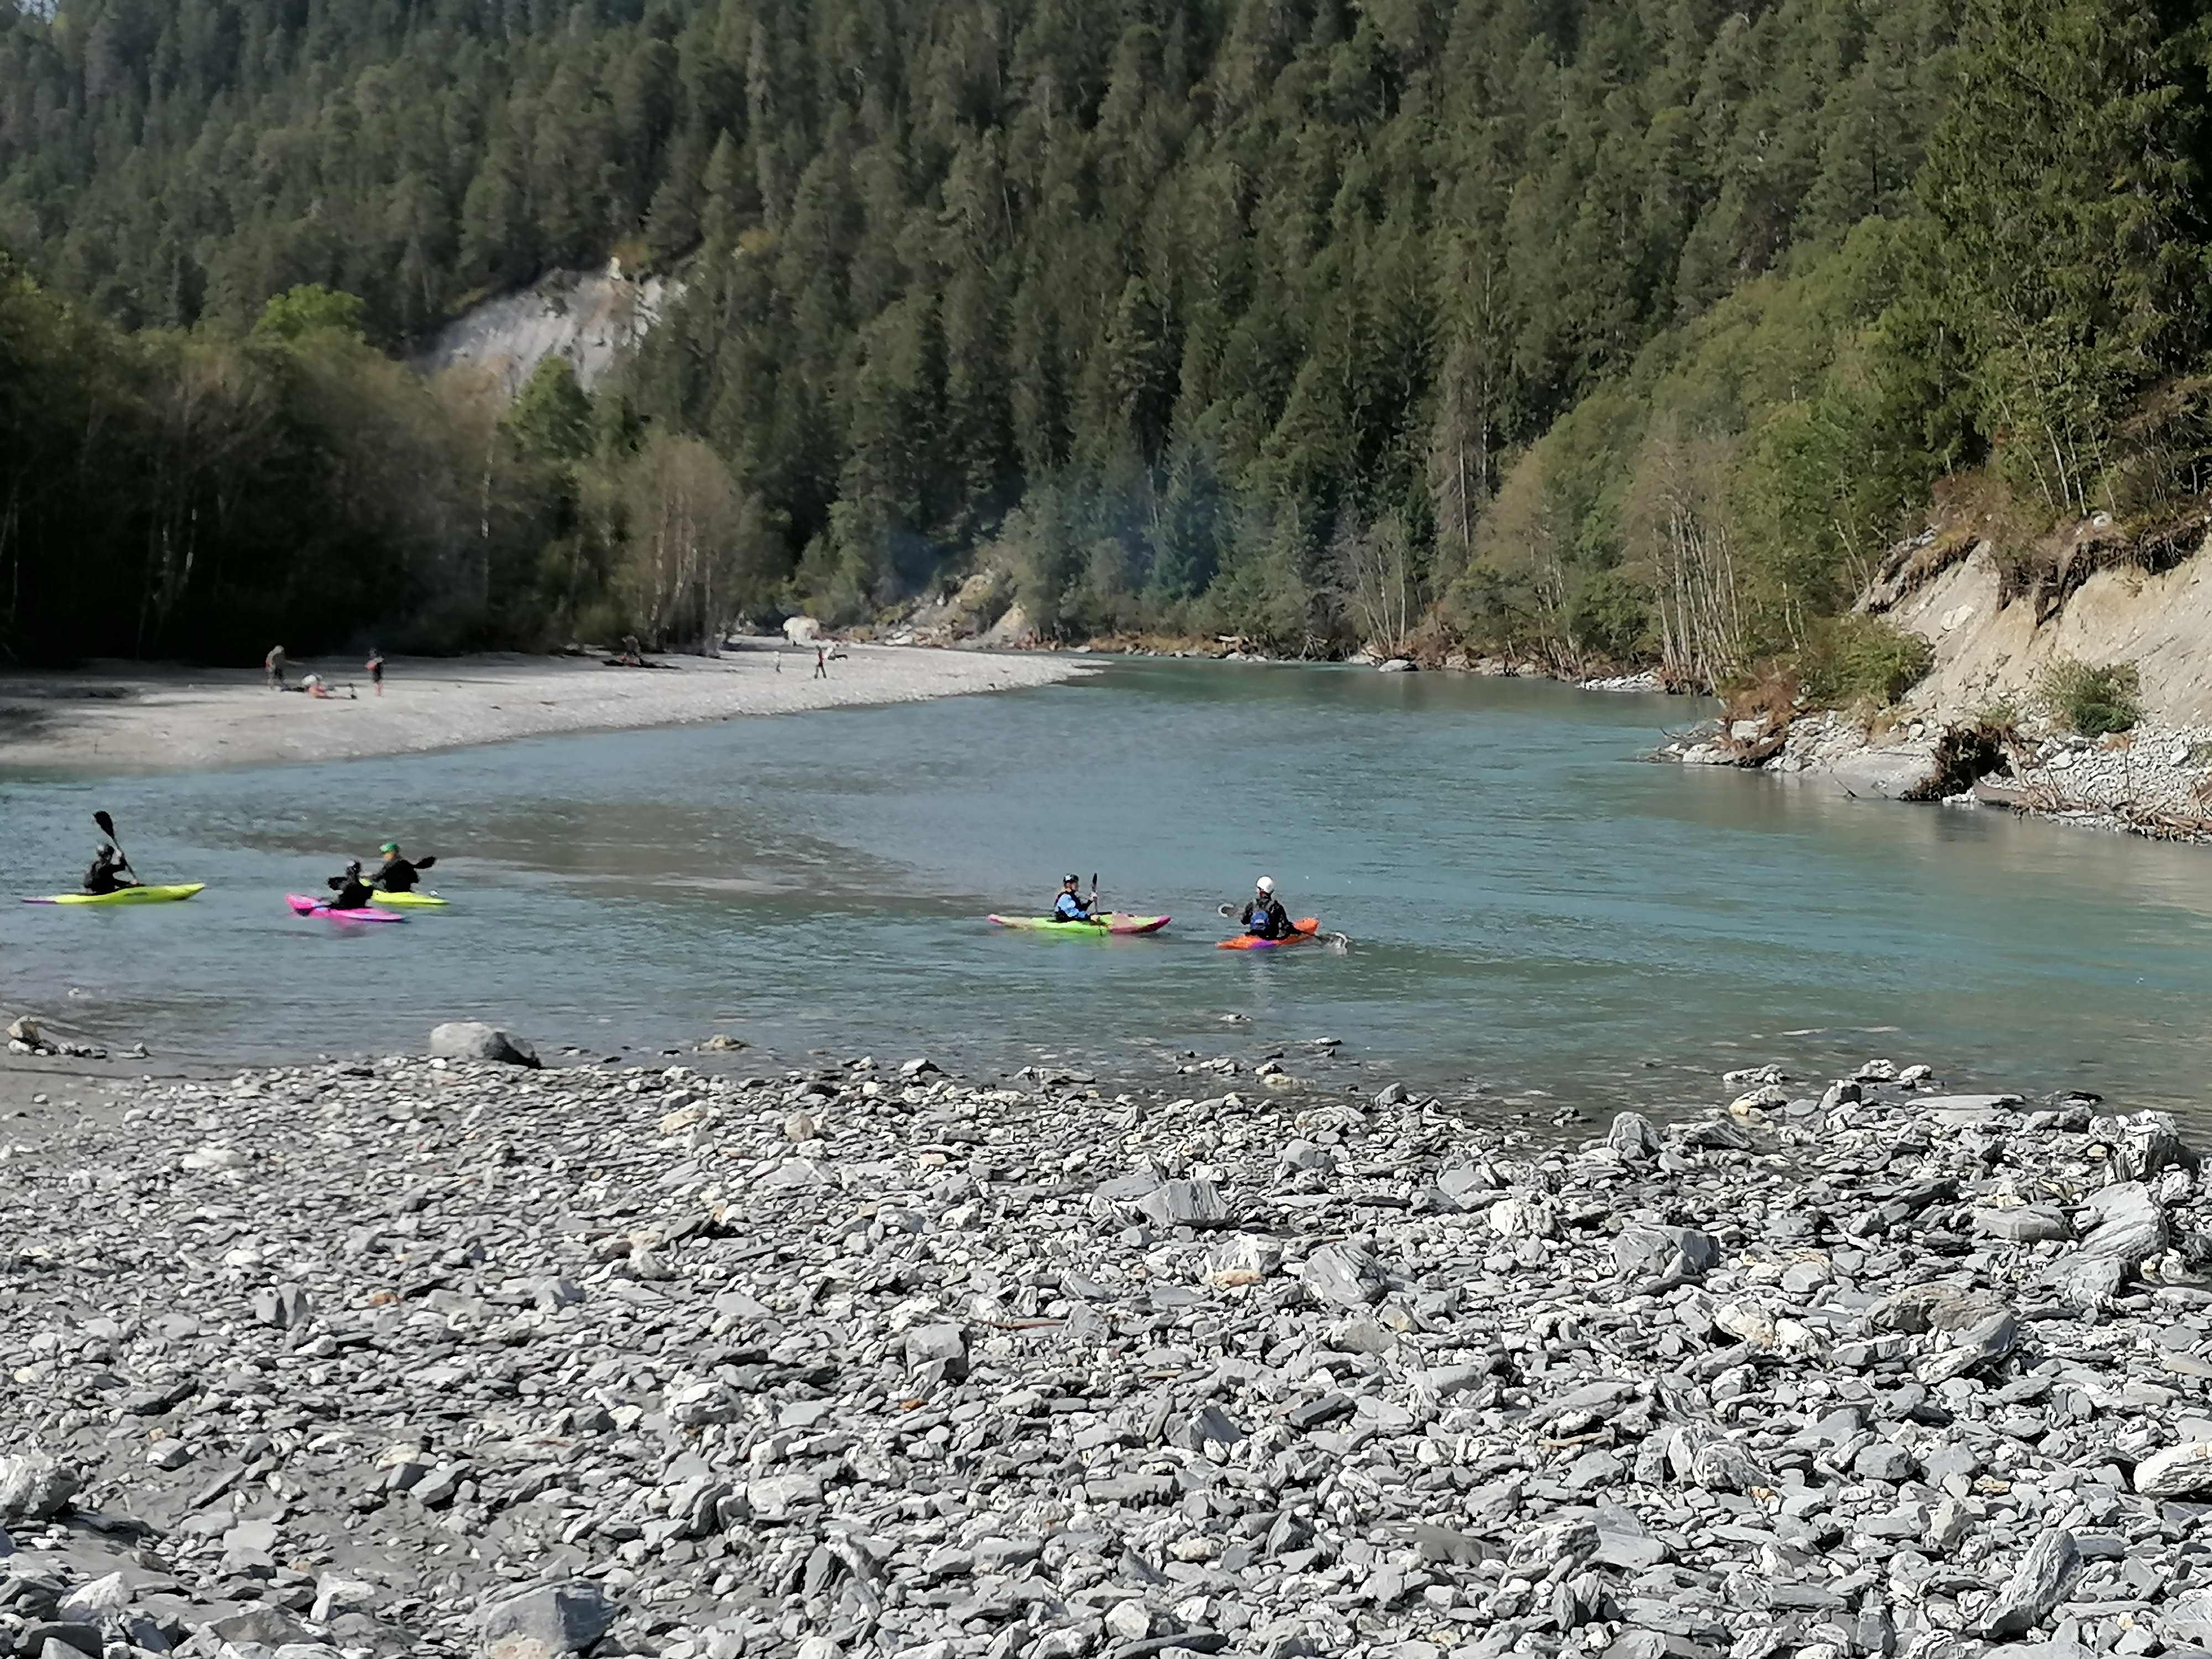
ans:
x=441 y=1357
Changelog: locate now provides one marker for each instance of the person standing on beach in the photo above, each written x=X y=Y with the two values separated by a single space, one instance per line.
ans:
x=820 y=662
x=274 y=662
x=376 y=670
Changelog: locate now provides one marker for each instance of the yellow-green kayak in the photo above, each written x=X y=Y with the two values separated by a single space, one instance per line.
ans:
x=406 y=900
x=127 y=896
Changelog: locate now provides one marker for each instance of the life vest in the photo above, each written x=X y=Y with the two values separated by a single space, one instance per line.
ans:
x=1068 y=908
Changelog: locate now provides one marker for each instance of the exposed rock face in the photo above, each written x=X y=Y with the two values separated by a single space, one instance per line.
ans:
x=588 y=317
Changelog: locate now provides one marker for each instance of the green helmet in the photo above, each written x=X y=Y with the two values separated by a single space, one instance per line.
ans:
x=389 y=847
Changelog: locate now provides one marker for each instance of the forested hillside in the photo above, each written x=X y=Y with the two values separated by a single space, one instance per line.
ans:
x=1586 y=328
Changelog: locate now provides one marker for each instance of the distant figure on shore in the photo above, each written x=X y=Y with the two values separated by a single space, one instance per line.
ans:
x=315 y=686
x=106 y=875
x=274 y=663
x=821 y=663
x=376 y=670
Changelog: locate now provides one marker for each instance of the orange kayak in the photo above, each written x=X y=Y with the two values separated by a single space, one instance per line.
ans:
x=1301 y=930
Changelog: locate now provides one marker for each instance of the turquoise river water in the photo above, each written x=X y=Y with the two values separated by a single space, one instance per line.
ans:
x=1531 y=910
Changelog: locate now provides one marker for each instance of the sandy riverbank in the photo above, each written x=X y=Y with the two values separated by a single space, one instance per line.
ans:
x=134 y=718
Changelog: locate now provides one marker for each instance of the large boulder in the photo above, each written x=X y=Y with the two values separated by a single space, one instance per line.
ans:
x=472 y=1039
x=801 y=630
x=547 y=1621
x=34 y=1487
x=1898 y=774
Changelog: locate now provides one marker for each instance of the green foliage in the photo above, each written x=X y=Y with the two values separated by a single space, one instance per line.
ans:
x=2093 y=700
x=1619 y=331
x=1856 y=660
x=551 y=417
x=1999 y=716
x=1211 y=276
x=2067 y=224
x=310 y=308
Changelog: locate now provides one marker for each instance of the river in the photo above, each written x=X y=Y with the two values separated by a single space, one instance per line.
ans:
x=1536 y=918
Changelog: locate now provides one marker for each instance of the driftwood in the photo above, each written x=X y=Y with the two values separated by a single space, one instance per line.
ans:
x=2154 y=824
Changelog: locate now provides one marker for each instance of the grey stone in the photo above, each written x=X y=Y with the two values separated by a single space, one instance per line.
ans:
x=473 y=1040
x=941 y=1350
x=565 y=1618
x=1343 y=1274
x=1632 y=1136
x=2039 y=1584
x=34 y=1487
x=1185 y=1204
x=2126 y=1227
x=2024 y=1224
x=2176 y=1472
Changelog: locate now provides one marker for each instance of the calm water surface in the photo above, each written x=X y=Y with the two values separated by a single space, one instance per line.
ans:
x=1531 y=908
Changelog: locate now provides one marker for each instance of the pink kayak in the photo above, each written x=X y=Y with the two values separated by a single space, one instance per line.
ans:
x=315 y=906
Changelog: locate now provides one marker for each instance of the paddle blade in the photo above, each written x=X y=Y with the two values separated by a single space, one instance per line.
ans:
x=424 y=864
x=107 y=825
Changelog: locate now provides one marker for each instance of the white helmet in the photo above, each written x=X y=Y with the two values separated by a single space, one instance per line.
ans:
x=1266 y=883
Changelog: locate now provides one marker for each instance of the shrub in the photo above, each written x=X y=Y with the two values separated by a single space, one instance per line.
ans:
x=1856 y=659
x=1997 y=717
x=2093 y=701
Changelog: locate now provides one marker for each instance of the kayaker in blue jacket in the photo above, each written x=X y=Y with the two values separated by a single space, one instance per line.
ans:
x=1070 y=905
x=1265 y=917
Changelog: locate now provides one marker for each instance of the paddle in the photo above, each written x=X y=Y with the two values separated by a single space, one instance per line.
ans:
x=107 y=829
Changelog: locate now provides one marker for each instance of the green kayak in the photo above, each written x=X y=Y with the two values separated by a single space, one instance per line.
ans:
x=168 y=895
x=1103 y=927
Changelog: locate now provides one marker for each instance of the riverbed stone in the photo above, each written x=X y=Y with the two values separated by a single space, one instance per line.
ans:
x=986 y=1370
x=474 y=1040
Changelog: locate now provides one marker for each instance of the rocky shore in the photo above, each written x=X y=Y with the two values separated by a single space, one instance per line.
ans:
x=2155 y=781
x=430 y=1358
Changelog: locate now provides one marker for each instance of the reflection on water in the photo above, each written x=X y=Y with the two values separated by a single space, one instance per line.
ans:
x=1532 y=908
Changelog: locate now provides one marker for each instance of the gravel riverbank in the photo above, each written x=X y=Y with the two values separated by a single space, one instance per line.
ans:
x=2155 y=781
x=428 y=1357
x=132 y=717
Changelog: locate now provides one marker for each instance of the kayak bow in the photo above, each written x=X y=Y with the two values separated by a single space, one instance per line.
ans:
x=1116 y=924
x=407 y=901
x=306 y=906
x=1301 y=930
x=127 y=895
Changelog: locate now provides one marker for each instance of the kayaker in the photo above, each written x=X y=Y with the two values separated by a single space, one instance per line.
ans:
x=349 y=891
x=1265 y=917
x=1070 y=906
x=106 y=875
x=395 y=874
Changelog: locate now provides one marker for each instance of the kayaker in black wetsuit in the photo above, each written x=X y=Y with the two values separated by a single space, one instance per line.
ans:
x=1070 y=905
x=348 y=891
x=1265 y=917
x=106 y=875
x=396 y=874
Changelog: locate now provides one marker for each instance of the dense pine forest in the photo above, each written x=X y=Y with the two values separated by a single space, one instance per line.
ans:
x=1589 y=330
